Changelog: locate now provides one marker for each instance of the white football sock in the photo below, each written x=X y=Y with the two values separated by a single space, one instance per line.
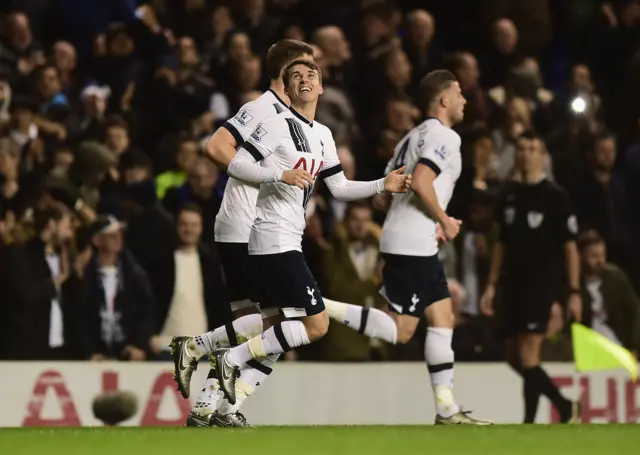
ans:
x=280 y=338
x=209 y=396
x=371 y=322
x=252 y=375
x=232 y=334
x=439 y=356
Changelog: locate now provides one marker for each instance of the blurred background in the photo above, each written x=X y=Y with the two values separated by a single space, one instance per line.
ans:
x=104 y=106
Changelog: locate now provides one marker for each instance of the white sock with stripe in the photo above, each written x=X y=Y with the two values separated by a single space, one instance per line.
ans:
x=232 y=334
x=252 y=375
x=439 y=356
x=280 y=338
x=228 y=335
x=371 y=322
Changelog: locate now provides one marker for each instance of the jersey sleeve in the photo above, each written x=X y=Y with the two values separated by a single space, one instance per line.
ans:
x=243 y=123
x=567 y=222
x=330 y=163
x=265 y=139
x=434 y=153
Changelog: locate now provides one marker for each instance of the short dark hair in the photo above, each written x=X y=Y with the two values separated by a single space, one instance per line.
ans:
x=185 y=137
x=54 y=211
x=135 y=159
x=286 y=75
x=284 y=51
x=115 y=120
x=189 y=207
x=456 y=61
x=589 y=238
x=530 y=135
x=602 y=134
x=434 y=83
x=40 y=69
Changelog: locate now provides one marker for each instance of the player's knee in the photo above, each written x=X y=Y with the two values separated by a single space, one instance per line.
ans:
x=440 y=314
x=317 y=326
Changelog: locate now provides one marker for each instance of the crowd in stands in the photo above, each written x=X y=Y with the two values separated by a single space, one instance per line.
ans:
x=107 y=204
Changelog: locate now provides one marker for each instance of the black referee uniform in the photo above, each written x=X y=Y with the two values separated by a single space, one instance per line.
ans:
x=537 y=221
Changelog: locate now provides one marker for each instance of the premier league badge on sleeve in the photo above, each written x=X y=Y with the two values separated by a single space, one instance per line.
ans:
x=441 y=152
x=258 y=133
x=243 y=118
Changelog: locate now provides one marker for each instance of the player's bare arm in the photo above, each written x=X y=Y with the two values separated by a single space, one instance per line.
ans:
x=221 y=148
x=422 y=185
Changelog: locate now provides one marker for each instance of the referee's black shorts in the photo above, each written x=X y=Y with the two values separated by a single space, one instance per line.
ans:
x=526 y=308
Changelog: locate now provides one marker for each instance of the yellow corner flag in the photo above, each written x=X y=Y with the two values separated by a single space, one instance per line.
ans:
x=592 y=351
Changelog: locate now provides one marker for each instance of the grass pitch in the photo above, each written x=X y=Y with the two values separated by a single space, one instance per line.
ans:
x=370 y=440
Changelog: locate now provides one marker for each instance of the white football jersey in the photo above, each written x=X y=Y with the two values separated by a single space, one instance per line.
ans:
x=284 y=142
x=408 y=229
x=238 y=209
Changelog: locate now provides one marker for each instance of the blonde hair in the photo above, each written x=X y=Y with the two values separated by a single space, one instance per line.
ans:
x=522 y=111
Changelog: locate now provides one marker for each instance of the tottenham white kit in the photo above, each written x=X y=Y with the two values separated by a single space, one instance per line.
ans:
x=408 y=229
x=238 y=210
x=287 y=141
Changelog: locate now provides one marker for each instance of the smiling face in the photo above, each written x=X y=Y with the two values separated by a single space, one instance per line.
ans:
x=303 y=83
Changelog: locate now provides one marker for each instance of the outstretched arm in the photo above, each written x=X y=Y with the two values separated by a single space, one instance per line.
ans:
x=349 y=190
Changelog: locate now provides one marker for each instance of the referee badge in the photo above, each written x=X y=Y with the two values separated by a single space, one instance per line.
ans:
x=509 y=215
x=535 y=219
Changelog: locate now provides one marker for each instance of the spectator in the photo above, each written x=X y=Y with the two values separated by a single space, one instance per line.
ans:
x=201 y=189
x=336 y=53
x=20 y=52
x=419 y=43
x=600 y=200
x=149 y=225
x=248 y=76
x=465 y=66
x=37 y=300
x=65 y=60
x=185 y=157
x=188 y=286
x=88 y=121
x=518 y=118
x=500 y=57
x=117 y=136
x=262 y=27
x=116 y=312
x=612 y=307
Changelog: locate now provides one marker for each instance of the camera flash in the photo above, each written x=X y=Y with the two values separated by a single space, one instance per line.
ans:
x=578 y=105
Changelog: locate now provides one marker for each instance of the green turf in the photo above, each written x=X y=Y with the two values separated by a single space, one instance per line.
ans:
x=373 y=440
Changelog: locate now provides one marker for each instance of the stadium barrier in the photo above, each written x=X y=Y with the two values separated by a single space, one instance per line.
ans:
x=60 y=394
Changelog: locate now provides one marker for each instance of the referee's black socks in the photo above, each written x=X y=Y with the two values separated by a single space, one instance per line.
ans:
x=537 y=382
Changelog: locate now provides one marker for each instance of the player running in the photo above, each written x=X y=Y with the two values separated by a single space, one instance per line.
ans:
x=232 y=227
x=414 y=281
x=284 y=284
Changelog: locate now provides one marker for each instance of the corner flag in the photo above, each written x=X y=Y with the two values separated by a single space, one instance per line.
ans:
x=592 y=351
